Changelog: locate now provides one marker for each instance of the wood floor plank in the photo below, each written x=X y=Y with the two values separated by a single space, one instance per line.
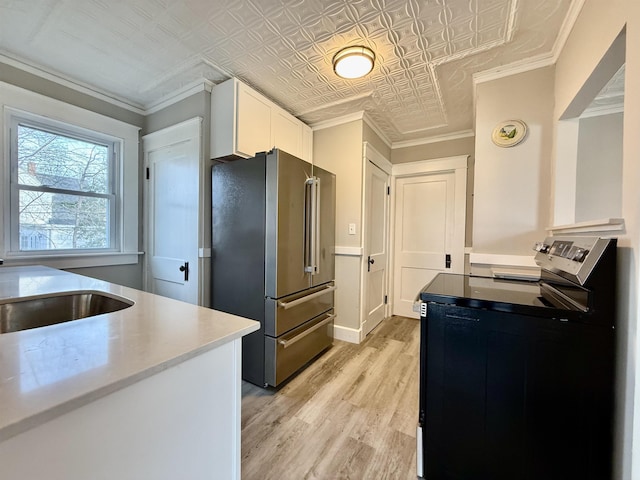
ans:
x=349 y=415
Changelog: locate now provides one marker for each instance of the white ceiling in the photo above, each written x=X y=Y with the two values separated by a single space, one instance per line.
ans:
x=142 y=51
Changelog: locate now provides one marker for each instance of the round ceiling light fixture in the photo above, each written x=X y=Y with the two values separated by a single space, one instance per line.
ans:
x=353 y=62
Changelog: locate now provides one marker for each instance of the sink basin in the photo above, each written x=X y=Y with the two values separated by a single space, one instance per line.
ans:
x=33 y=312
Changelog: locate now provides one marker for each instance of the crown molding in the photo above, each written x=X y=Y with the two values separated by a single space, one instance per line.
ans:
x=521 y=66
x=369 y=121
x=567 y=25
x=174 y=97
x=539 y=61
x=532 y=63
x=202 y=85
x=336 y=103
x=72 y=84
x=352 y=117
x=436 y=139
x=603 y=110
x=334 y=122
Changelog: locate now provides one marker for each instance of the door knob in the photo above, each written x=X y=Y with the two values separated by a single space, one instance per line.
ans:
x=370 y=261
x=185 y=268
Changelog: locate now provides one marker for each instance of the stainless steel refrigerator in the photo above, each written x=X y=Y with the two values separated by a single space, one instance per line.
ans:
x=273 y=249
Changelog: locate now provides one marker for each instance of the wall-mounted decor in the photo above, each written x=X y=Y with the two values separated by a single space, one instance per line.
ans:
x=509 y=133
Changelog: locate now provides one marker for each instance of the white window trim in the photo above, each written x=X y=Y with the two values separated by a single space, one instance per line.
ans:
x=19 y=102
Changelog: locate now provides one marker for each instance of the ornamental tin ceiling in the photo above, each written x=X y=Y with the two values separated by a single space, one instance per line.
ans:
x=141 y=51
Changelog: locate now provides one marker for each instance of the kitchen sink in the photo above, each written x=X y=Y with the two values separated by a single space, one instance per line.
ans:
x=42 y=310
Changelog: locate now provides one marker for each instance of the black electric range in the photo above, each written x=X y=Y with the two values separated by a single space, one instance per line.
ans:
x=516 y=377
x=577 y=283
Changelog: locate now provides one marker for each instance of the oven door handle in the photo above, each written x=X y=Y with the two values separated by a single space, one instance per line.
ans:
x=300 y=336
x=563 y=298
x=298 y=301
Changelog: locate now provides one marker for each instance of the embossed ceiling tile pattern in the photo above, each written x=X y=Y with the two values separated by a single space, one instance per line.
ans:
x=455 y=76
x=611 y=97
x=426 y=50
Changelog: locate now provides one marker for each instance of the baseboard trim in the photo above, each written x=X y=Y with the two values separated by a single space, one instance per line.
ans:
x=346 y=334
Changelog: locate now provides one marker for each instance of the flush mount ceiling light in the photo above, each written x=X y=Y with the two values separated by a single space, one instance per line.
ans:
x=353 y=62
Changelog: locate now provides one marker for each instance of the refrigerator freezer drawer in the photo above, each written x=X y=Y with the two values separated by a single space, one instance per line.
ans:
x=290 y=312
x=286 y=354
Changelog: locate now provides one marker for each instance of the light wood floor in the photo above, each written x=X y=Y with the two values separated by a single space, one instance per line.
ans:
x=351 y=414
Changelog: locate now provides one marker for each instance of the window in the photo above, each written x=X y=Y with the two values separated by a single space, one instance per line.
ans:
x=63 y=189
x=68 y=184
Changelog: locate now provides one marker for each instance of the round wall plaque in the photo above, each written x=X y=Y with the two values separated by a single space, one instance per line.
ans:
x=509 y=133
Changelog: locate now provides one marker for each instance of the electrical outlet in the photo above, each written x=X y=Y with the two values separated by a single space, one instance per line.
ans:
x=352 y=229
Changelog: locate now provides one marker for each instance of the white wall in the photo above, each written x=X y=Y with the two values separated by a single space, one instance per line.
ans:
x=511 y=185
x=596 y=29
x=339 y=150
x=599 y=168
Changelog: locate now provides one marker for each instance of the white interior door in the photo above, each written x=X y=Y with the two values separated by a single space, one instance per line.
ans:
x=425 y=236
x=376 y=246
x=172 y=263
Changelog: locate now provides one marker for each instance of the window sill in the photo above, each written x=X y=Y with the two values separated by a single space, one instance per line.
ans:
x=74 y=260
x=593 y=227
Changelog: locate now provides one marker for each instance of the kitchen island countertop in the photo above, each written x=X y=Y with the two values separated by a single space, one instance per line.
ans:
x=48 y=371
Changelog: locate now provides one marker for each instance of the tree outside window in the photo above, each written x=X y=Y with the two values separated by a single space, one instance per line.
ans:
x=65 y=190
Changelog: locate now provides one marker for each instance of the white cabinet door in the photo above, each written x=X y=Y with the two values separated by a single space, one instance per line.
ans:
x=253 y=117
x=287 y=132
x=244 y=122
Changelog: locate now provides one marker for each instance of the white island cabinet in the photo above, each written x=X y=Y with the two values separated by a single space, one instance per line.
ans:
x=148 y=392
x=244 y=122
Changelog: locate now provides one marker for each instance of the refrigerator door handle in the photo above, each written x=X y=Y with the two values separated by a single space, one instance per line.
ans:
x=298 y=301
x=311 y=227
x=316 y=230
x=307 y=225
x=300 y=336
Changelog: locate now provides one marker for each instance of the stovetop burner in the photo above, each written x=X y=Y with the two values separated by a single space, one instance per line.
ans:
x=515 y=296
x=577 y=283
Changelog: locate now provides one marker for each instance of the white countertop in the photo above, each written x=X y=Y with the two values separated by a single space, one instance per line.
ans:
x=48 y=371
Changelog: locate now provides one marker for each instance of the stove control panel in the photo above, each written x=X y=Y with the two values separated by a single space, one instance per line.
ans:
x=568 y=249
x=570 y=256
x=541 y=247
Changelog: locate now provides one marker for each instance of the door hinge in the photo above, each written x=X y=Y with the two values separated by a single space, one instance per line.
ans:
x=147 y=173
x=447 y=261
x=388 y=190
x=385 y=299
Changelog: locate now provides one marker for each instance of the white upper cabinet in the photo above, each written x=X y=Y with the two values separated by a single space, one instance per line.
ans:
x=243 y=122
x=253 y=127
x=287 y=132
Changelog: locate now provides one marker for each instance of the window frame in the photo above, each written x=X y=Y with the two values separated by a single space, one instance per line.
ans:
x=45 y=112
x=71 y=131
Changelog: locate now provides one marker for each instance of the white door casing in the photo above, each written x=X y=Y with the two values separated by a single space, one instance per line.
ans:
x=172 y=264
x=376 y=239
x=429 y=226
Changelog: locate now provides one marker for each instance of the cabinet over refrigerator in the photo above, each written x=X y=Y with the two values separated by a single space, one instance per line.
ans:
x=273 y=248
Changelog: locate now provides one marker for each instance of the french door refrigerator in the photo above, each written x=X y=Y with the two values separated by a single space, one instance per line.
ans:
x=273 y=249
